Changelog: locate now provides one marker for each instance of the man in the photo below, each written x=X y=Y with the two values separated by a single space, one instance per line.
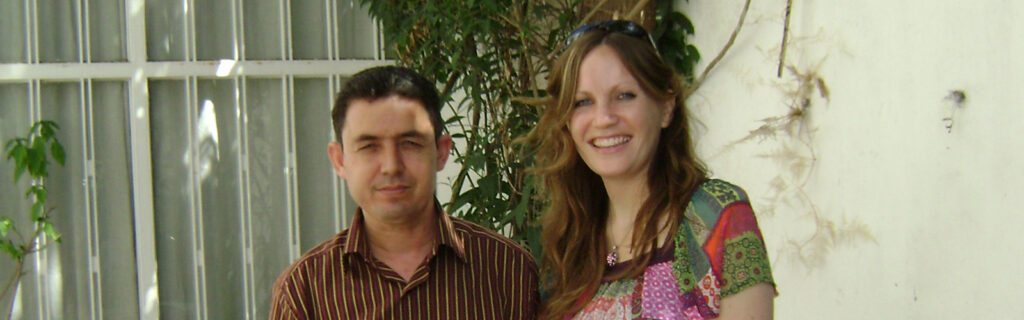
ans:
x=402 y=257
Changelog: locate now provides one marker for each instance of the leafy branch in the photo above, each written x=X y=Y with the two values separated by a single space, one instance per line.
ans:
x=31 y=155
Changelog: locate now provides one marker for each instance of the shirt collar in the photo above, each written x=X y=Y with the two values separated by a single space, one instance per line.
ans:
x=356 y=242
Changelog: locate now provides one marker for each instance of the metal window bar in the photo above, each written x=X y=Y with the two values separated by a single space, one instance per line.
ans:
x=378 y=41
x=331 y=23
x=35 y=114
x=246 y=199
x=287 y=32
x=288 y=100
x=282 y=29
x=79 y=26
x=190 y=30
x=32 y=32
x=92 y=220
x=195 y=190
x=236 y=31
x=84 y=52
x=240 y=26
x=338 y=197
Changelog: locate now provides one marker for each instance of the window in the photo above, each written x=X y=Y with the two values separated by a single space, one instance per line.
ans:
x=196 y=134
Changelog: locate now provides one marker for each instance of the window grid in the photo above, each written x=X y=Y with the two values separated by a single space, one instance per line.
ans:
x=138 y=71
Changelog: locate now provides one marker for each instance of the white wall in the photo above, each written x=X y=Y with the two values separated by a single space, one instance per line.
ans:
x=901 y=219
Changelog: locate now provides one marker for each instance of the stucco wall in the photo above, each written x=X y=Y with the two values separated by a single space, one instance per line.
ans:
x=876 y=210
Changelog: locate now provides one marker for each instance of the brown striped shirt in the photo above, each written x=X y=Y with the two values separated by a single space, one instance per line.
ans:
x=473 y=273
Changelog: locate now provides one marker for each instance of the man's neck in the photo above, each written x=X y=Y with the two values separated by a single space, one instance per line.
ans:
x=403 y=244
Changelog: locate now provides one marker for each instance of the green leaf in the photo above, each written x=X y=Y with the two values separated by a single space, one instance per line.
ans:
x=36 y=158
x=464 y=199
x=39 y=191
x=524 y=202
x=453 y=119
x=37 y=211
x=45 y=131
x=20 y=156
x=48 y=230
x=38 y=145
x=57 y=151
x=50 y=123
x=8 y=246
x=5 y=225
x=13 y=147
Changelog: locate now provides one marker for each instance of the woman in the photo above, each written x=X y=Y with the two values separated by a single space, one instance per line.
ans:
x=634 y=228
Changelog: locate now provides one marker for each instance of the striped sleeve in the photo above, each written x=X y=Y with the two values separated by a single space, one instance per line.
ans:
x=286 y=298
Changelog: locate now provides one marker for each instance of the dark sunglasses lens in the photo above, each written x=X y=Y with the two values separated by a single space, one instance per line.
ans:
x=633 y=29
x=615 y=26
x=580 y=31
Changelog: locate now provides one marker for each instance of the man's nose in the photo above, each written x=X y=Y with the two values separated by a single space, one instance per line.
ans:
x=391 y=162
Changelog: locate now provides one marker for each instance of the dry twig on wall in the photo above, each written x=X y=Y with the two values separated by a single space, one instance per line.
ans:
x=785 y=39
x=728 y=44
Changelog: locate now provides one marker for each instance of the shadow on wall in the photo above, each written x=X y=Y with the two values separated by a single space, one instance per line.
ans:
x=792 y=133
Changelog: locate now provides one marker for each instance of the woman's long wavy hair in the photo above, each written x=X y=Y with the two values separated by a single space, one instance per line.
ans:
x=573 y=224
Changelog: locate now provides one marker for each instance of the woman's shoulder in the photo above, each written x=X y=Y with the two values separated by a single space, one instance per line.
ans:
x=712 y=197
x=722 y=192
x=709 y=202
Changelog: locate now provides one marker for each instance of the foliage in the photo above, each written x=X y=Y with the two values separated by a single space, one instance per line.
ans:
x=484 y=53
x=671 y=32
x=29 y=155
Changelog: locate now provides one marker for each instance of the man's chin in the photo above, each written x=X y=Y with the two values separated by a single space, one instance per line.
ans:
x=394 y=210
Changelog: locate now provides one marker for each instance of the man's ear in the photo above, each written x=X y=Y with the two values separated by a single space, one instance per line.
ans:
x=444 y=148
x=337 y=155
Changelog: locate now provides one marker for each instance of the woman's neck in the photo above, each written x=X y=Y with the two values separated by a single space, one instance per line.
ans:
x=625 y=197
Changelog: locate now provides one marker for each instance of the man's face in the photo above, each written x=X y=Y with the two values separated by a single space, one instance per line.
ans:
x=389 y=158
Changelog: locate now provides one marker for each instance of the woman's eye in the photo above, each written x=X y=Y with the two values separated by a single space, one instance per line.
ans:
x=581 y=102
x=626 y=96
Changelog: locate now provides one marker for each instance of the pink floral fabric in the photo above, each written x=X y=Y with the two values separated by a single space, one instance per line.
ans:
x=718 y=243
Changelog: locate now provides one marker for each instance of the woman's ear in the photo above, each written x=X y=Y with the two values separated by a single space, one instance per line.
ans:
x=667 y=111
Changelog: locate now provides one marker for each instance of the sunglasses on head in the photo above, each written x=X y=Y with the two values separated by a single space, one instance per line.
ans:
x=625 y=27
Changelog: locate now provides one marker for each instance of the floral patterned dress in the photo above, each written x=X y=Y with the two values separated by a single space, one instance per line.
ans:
x=716 y=252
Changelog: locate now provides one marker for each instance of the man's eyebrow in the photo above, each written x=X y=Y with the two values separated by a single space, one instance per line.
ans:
x=413 y=134
x=408 y=134
x=366 y=137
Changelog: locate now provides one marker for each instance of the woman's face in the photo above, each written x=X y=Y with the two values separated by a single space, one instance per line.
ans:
x=614 y=124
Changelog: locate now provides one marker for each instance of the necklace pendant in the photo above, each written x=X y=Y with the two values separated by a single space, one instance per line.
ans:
x=613 y=257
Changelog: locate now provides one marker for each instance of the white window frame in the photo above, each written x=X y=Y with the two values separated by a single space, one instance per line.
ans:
x=137 y=71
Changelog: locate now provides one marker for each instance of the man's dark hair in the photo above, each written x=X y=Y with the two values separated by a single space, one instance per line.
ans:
x=380 y=82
